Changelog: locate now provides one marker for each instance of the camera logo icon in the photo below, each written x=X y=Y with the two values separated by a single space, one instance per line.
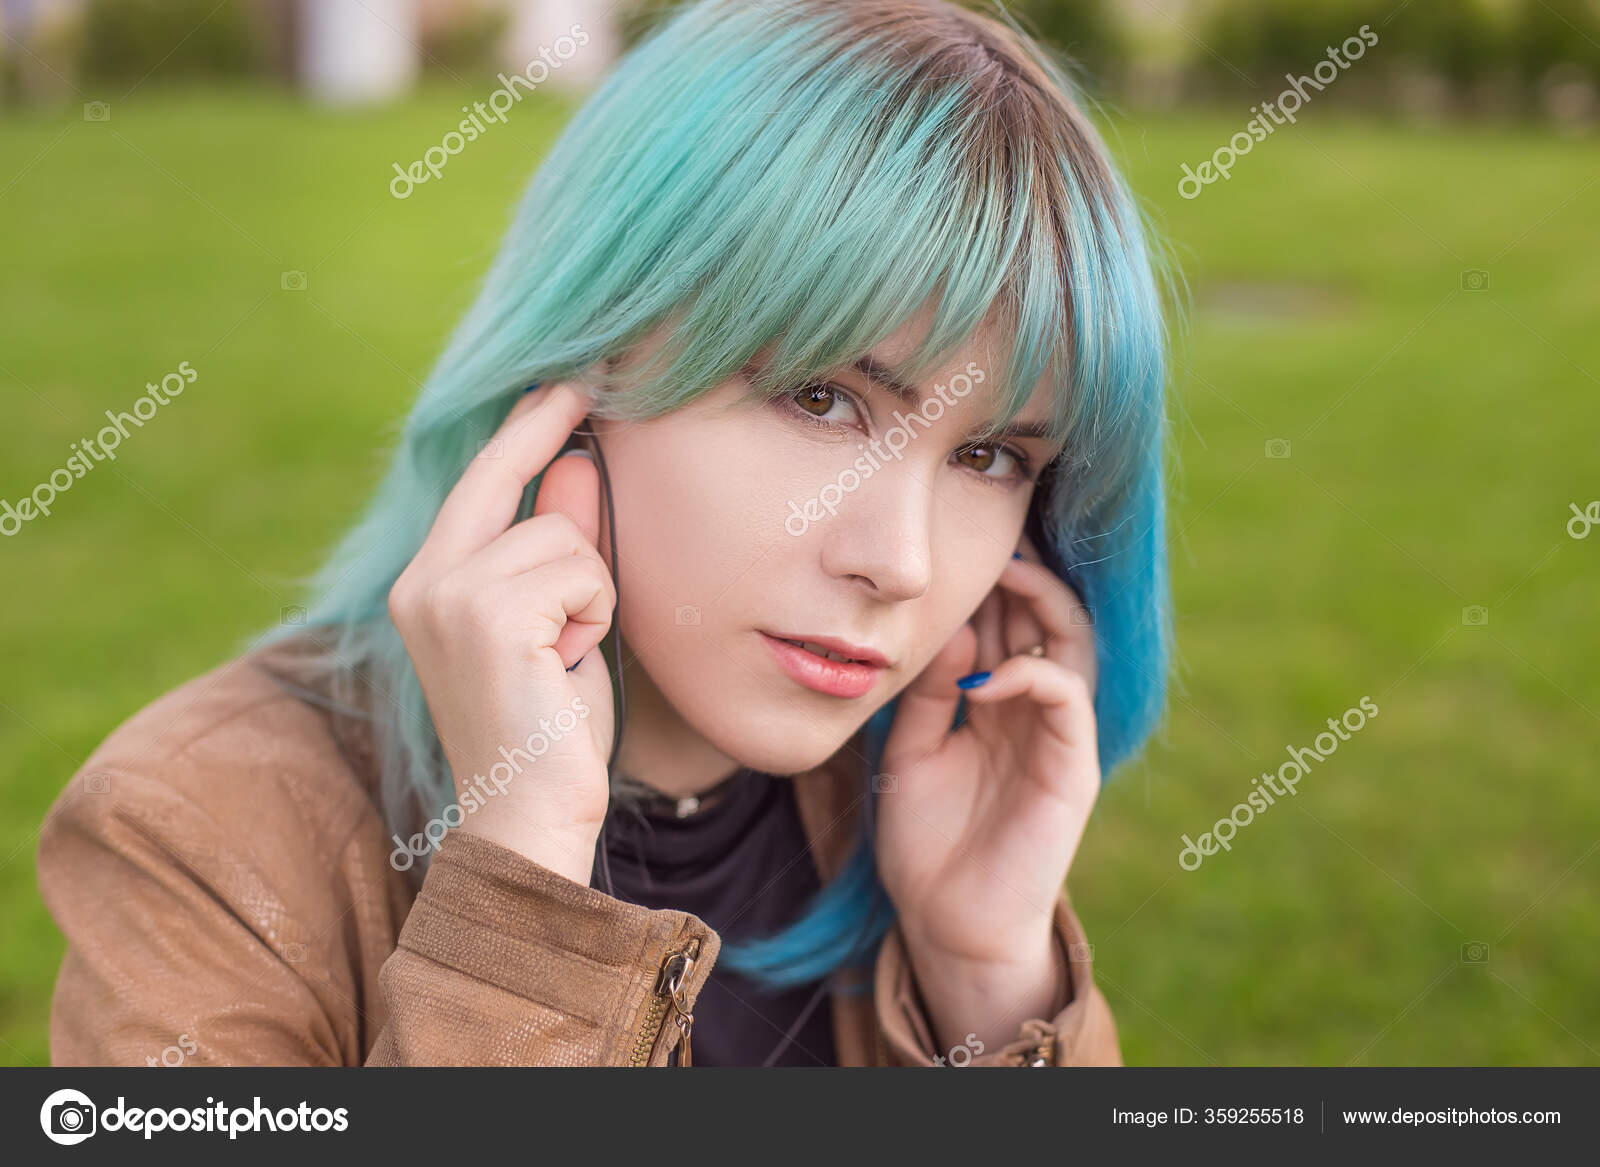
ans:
x=96 y=111
x=1277 y=447
x=686 y=615
x=1475 y=616
x=292 y=281
x=68 y=1117
x=1475 y=280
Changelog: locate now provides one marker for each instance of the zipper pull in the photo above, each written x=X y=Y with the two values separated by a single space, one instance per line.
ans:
x=672 y=983
x=685 y=1023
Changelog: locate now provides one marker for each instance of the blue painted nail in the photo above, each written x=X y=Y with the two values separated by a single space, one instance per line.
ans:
x=530 y=388
x=1016 y=555
x=576 y=663
x=972 y=680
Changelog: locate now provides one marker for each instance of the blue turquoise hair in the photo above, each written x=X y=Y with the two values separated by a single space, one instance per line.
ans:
x=797 y=180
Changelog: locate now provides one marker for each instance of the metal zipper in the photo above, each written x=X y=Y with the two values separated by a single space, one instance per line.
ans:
x=1042 y=1054
x=671 y=999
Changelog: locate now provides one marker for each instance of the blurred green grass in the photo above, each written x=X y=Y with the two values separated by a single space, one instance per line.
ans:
x=1437 y=435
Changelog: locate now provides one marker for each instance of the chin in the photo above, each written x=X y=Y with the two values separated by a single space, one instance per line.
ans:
x=771 y=740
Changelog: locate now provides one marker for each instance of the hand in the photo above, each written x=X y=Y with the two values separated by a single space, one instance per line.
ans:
x=976 y=838
x=492 y=614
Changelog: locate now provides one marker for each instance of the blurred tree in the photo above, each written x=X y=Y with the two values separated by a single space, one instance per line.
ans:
x=127 y=40
x=1086 y=31
x=1460 y=43
x=1458 y=40
x=468 y=42
x=1264 y=39
x=1552 y=33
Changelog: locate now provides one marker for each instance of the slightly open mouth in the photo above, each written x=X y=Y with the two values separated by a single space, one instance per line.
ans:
x=825 y=653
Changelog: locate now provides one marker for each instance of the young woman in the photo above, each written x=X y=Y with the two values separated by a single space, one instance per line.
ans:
x=770 y=571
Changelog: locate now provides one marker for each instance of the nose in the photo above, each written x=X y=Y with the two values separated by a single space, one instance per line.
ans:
x=883 y=536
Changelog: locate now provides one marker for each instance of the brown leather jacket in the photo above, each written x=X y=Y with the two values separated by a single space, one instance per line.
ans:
x=222 y=874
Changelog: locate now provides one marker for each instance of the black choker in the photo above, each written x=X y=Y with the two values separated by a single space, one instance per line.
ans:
x=654 y=802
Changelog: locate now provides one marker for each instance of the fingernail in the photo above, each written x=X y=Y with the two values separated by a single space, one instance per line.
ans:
x=578 y=451
x=1016 y=555
x=972 y=680
x=576 y=663
x=530 y=388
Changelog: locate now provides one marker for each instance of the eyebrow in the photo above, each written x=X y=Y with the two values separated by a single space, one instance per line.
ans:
x=880 y=374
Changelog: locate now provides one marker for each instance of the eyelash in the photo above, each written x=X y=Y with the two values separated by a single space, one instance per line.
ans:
x=1024 y=472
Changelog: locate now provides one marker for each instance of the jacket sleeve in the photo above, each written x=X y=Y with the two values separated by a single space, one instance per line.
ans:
x=1080 y=1032
x=504 y=962
x=192 y=940
x=180 y=949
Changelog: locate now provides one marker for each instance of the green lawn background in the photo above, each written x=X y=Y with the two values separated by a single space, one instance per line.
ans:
x=1437 y=435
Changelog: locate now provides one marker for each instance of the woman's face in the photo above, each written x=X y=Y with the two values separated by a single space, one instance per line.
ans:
x=846 y=513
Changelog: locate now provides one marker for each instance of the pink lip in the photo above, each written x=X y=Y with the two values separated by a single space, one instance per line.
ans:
x=835 y=678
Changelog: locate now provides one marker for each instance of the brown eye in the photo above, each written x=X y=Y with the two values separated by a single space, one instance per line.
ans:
x=984 y=459
x=815 y=399
x=817 y=404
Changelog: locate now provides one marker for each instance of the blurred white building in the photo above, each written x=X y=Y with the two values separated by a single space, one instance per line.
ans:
x=355 y=51
x=368 y=50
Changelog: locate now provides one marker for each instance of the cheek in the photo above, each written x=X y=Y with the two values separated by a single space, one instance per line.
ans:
x=943 y=621
x=967 y=562
x=717 y=478
x=693 y=521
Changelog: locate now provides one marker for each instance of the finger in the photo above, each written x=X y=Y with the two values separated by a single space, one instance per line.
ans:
x=927 y=707
x=987 y=623
x=574 y=609
x=1065 y=703
x=1061 y=695
x=484 y=500
x=1068 y=632
x=1052 y=603
x=526 y=547
x=1022 y=629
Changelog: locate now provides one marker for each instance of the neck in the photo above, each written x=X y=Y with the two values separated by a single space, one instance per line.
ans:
x=659 y=749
